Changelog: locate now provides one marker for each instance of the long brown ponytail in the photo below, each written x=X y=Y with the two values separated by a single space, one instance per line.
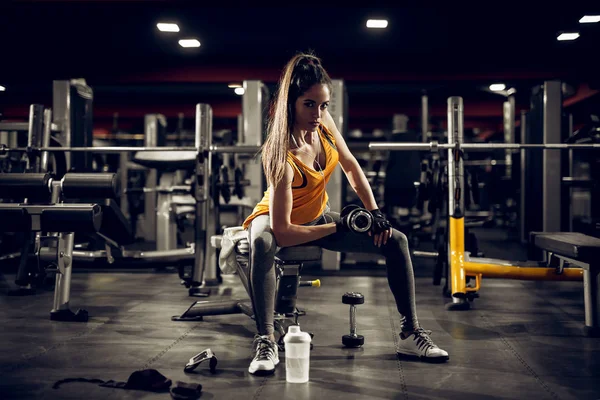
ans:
x=300 y=73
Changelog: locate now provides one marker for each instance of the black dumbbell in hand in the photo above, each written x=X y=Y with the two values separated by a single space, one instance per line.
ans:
x=353 y=299
x=355 y=219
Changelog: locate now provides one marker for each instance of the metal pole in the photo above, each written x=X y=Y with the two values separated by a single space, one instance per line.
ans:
x=63 y=277
x=164 y=219
x=435 y=146
x=524 y=238
x=34 y=136
x=154 y=125
x=509 y=132
x=571 y=170
x=180 y=130
x=203 y=163
x=253 y=108
x=212 y=217
x=456 y=203
x=120 y=149
x=424 y=117
x=551 y=196
x=154 y=132
x=107 y=149
x=61 y=114
x=338 y=107
x=46 y=139
x=235 y=149
x=429 y=146
x=516 y=146
x=124 y=178
x=456 y=200
x=591 y=285
x=352 y=320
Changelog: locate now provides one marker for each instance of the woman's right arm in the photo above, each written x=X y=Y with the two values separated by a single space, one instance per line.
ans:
x=280 y=207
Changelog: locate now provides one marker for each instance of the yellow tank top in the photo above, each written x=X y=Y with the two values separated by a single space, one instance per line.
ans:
x=308 y=186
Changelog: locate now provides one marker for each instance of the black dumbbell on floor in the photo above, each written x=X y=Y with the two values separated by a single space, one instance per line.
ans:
x=353 y=299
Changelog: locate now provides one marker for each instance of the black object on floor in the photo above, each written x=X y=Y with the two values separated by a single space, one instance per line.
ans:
x=149 y=380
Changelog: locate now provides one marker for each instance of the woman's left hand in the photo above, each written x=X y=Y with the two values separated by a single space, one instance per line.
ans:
x=382 y=229
x=382 y=238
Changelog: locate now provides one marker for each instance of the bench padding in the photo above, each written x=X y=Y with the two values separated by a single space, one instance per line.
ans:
x=569 y=244
x=14 y=218
x=299 y=254
x=166 y=160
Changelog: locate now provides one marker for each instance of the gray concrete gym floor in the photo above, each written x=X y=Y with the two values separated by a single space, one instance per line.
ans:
x=521 y=340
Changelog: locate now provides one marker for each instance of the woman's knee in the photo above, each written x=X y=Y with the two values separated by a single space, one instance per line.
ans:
x=264 y=244
x=397 y=241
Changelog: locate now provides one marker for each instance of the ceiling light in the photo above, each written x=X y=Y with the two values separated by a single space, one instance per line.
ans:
x=189 y=43
x=165 y=27
x=497 y=87
x=567 y=36
x=234 y=85
x=239 y=91
x=377 y=23
x=2 y=88
x=588 y=19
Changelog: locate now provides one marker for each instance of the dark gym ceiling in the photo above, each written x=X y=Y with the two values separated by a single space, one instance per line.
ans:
x=134 y=69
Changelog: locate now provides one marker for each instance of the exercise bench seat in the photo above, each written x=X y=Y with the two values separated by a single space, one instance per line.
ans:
x=584 y=251
x=301 y=253
x=114 y=223
x=569 y=244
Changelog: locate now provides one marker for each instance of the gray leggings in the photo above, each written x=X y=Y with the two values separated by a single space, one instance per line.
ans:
x=262 y=270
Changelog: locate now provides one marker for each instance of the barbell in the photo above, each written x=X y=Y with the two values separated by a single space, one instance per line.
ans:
x=435 y=146
x=248 y=149
x=245 y=149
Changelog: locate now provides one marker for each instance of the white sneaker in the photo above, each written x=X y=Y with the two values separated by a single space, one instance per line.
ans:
x=266 y=356
x=419 y=344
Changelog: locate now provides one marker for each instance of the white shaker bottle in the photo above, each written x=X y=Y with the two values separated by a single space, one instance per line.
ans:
x=297 y=355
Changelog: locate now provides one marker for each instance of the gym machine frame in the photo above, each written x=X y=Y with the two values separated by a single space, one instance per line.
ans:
x=461 y=263
x=200 y=190
x=55 y=224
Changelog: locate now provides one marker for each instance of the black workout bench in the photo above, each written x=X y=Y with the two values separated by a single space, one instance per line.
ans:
x=51 y=225
x=288 y=264
x=577 y=249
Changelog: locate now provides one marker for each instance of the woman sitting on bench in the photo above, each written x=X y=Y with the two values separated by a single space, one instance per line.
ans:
x=301 y=151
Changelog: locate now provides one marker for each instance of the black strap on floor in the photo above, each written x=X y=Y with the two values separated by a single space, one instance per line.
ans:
x=147 y=380
x=69 y=380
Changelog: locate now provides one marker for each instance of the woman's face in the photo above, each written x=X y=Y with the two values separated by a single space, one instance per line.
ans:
x=310 y=107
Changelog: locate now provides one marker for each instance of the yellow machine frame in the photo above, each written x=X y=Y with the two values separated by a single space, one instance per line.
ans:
x=460 y=264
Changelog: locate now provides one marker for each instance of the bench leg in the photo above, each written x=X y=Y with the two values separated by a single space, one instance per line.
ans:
x=591 y=283
x=62 y=290
x=166 y=226
x=287 y=288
